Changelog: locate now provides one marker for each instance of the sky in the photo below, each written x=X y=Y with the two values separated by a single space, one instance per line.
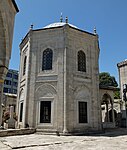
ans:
x=108 y=16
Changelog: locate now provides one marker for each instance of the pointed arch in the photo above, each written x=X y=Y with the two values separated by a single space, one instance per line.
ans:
x=46 y=90
x=107 y=99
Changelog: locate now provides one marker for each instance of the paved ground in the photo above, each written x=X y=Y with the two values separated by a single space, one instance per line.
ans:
x=116 y=140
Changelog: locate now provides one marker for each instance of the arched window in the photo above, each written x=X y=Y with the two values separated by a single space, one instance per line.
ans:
x=47 y=59
x=81 y=61
x=24 y=65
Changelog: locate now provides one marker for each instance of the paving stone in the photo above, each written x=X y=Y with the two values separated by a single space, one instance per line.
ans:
x=109 y=140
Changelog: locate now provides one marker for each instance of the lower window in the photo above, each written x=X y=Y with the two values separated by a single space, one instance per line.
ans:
x=45 y=112
x=83 y=112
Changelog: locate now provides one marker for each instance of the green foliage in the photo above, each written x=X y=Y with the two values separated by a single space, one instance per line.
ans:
x=107 y=80
x=117 y=95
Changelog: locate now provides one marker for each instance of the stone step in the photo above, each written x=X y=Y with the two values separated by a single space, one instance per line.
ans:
x=46 y=132
x=13 y=132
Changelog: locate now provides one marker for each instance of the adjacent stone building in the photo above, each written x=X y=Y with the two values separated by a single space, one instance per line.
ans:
x=9 y=100
x=59 y=80
x=8 y=9
x=11 y=82
x=110 y=107
x=122 y=69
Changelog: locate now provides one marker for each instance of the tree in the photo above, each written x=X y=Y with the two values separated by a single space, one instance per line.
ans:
x=117 y=95
x=107 y=80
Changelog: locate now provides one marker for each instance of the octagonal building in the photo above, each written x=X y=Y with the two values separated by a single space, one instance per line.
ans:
x=59 y=80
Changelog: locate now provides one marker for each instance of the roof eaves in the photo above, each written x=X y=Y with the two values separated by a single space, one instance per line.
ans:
x=82 y=30
x=109 y=88
x=63 y=26
x=15 y=5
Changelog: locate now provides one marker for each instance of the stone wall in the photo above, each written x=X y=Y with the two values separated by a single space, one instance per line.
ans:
x=8 y=9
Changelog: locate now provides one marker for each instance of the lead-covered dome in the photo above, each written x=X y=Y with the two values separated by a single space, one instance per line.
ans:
x=59 y=24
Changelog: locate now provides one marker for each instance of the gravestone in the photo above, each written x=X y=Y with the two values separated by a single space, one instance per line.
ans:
x=11 y=120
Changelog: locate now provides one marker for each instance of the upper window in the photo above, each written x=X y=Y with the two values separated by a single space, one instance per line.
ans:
x=24 y=66
x=6 y=90
x=47 y=59
x=7 y=82
x=9 y=74
x=81 y=61
x=15 y=76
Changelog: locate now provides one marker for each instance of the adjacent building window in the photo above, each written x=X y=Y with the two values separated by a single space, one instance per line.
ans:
x=15 y=76
x=21 y=112
x=45 y=112
x=47 y=59
x=9 y=75
x=14 y=91
x=7 y=82
x=5 y=90
x=82 y=112
x=15 y=84
x=24 y=66
x=81 y=61
x=9 y=90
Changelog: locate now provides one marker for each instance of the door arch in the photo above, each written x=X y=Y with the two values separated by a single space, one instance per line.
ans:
x=107 y=108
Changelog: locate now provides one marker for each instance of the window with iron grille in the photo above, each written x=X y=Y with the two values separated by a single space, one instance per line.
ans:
x=47 y=59
x=81 y=61
x=45 y=112
x=82 y=112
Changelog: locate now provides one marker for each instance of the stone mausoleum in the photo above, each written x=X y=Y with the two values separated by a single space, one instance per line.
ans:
x=59 y=80
x=122 y=69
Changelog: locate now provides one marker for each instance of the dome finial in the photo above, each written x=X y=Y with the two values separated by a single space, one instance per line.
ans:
x=31 y=26
x=95 y=31
x=61 y=17
x=66 y=19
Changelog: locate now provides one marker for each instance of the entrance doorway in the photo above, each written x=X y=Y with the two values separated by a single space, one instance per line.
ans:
x=108 y=113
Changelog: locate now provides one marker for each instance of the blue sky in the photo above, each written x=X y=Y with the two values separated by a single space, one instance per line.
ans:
x=109 y=17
